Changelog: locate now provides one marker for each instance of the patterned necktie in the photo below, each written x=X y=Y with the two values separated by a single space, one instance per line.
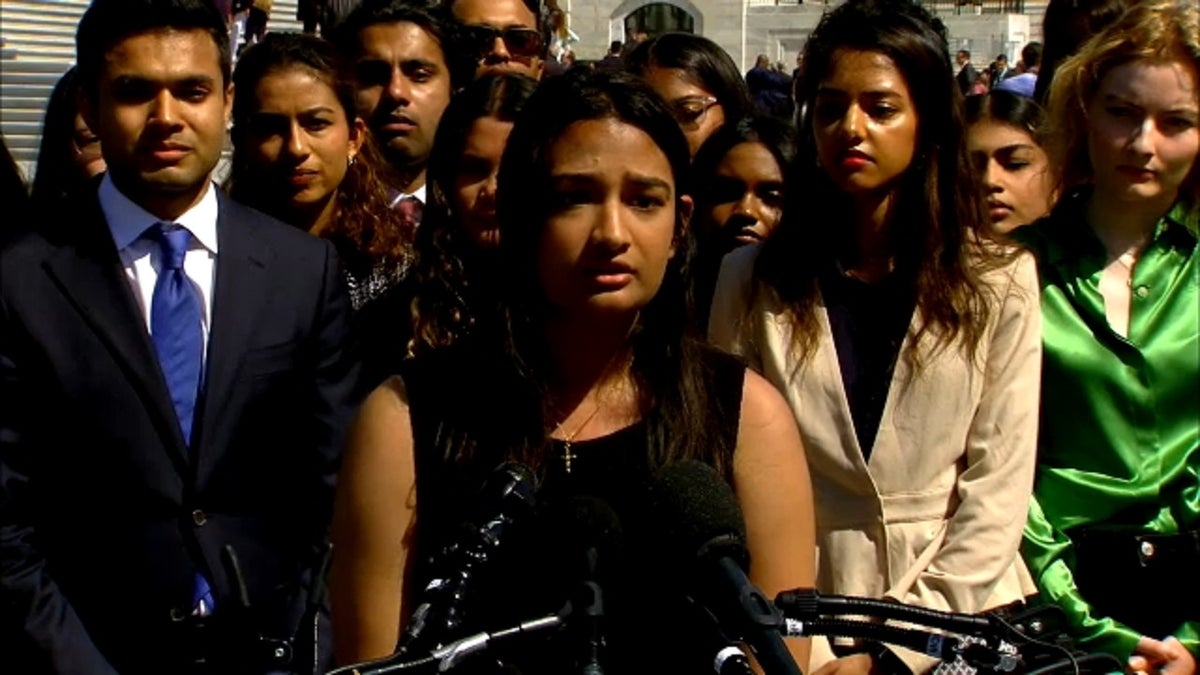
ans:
x=176 y=326
x=177 y=331
x=411 y=209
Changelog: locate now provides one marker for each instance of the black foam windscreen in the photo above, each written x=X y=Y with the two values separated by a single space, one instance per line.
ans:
x=511 y=483
x=591 y=522
x=696 y=509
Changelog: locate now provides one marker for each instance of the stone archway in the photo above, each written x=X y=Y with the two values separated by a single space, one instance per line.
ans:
x=628 y=7
x=659 y=17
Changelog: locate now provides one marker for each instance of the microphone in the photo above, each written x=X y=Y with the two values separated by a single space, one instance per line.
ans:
x=701 y=519
x=507 y=496
x=595 y=541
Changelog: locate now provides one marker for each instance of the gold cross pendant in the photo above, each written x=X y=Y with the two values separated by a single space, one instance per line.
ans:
x=567 y=456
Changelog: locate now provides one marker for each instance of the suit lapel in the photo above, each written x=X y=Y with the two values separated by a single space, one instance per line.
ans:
x=887 y=441
x=239 y=294
x=828 y=370
x=88 y=271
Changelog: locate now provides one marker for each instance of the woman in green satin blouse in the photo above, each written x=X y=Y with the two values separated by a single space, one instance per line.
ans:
x=1114 y=532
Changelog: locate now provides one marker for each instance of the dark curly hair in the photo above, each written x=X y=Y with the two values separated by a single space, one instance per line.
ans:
x=453 y=276
x=364 y=227
x=938 y=212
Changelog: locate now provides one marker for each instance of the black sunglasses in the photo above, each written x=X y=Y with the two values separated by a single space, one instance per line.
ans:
x=518 y=41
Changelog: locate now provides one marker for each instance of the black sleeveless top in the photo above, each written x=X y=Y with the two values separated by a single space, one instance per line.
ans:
x=457 y=412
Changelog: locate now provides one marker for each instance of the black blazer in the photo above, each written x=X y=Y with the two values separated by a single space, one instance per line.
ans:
x=965 y=78
x=105 y=515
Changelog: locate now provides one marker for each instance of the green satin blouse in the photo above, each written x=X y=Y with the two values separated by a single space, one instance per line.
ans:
x=1120 y=423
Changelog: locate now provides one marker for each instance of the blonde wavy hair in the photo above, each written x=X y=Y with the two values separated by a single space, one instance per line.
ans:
x=1158 y=30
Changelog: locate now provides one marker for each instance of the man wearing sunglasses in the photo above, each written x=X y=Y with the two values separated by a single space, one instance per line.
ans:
x=504 y=34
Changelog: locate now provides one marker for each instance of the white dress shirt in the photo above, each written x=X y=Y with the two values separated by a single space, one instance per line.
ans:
x=419 y=194
x=142 y=257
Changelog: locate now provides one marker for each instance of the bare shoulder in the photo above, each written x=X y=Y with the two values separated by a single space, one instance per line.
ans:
x=762 y=404
x=767 y=434
x=382 y=425
x=391 y=397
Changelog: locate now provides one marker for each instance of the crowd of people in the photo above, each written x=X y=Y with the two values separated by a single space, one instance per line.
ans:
x=943 y=346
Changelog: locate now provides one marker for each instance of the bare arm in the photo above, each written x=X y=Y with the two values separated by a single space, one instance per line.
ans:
x=373 y=526
x=770 y=474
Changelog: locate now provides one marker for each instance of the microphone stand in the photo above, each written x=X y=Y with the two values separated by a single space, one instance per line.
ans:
x=267 y=653
x=452 y=654
x=811 y=613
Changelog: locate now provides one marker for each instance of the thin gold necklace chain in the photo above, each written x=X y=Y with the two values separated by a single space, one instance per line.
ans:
x=567 y=455
x=568 y=438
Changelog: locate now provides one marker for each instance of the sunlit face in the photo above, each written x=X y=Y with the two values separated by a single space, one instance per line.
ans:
x=744 y=197
x=474 y=187
x=864 y=122
x=1015 y=171
x=298 y=141
x=403 y=88
x=695 y=108
x=160 y=111
x=515 y=55
x=85 y=149
x=612 y=227
x=1142 y=131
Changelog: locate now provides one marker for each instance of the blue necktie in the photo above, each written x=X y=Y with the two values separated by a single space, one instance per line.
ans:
x=176 y=326
x=177 y=331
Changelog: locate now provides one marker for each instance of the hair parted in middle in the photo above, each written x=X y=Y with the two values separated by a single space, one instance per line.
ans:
x=705 y=63
x=938 y=212
x=674 y=384
x=454 y=280
x=364 y=228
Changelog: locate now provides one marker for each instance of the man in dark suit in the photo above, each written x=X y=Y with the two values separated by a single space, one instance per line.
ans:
x=174 y=384
x=965 y=77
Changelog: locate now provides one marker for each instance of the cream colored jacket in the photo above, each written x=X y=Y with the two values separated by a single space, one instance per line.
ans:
x=935 y=517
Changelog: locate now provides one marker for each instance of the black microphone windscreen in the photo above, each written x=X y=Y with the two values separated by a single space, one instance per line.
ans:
x=695 y=507
x=592 y=523
x=510 y=483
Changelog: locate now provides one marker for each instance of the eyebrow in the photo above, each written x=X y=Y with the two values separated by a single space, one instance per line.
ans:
x=649 y=182
x=638 y=179
x=507 y=26
x=307 y=111
x=185 y=81
x=1016 y=146
x=873 y=93
x=419 y=63
x=1117 y=98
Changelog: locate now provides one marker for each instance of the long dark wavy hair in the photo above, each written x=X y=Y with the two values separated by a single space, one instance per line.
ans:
x=363 y=227
x=453 y=277
x=57 y=175
x=675 y=387
x=938 y=212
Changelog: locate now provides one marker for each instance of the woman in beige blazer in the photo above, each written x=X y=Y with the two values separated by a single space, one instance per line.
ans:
x=907 y=347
